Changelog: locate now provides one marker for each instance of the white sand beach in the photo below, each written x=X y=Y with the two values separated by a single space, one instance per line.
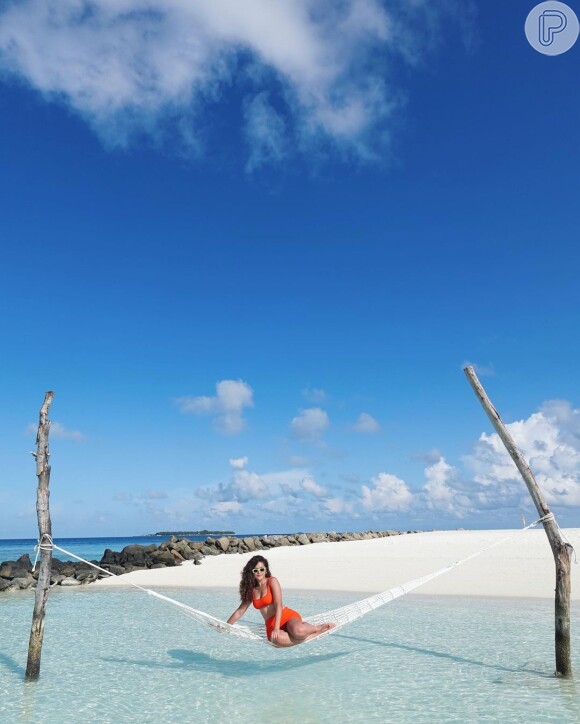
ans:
x=520 y=567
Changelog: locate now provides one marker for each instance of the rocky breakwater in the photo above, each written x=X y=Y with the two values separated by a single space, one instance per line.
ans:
x=18 y=575
x=177 y=550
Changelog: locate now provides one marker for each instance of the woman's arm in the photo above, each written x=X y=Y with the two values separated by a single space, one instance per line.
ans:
x=277 y=600
x=239 y=612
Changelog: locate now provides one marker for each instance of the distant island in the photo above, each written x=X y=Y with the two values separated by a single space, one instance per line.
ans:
x=189 y=532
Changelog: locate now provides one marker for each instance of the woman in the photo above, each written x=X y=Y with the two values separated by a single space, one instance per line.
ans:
x=284 y=626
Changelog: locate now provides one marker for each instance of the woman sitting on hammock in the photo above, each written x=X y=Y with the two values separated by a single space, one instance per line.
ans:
x=284 y=626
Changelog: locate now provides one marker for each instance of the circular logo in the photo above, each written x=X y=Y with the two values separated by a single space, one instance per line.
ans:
x=552 y=28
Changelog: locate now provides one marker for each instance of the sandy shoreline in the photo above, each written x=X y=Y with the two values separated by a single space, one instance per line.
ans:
x=520 y=568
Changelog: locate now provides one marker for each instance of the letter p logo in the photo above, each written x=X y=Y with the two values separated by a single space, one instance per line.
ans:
x=550 y=23
x=552 y=28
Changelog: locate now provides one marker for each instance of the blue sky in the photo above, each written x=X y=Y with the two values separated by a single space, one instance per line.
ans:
x=250 y=247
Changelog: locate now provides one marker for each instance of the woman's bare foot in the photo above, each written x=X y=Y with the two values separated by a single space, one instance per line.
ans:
x=320 y=629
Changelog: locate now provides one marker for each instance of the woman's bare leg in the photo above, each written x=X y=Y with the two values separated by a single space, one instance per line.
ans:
x=298 y=631
x=283 y=640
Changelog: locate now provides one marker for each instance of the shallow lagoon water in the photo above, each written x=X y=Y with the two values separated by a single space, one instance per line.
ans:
x=113 y=655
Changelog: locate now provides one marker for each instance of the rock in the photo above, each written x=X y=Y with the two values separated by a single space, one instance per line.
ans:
x=110 y=556
x=303 y=539
x=134 y=555
x=158 y=565
x=56 y=565
x=116 y=570
x=83 y=575
x=209 y=551
x=318 y=538
x=4 y=584
x=56 y=579
x=87 y=576
x=165 y=557
x=70 y=581
x=6 y=569
x=23 y=582
x=250 y=543
x=68 y=570
x=223 y=543
x=197 y=561
x=24 y=562
x=178 y=557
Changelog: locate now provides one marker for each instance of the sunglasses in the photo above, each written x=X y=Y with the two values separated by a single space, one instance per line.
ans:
x=258 y=570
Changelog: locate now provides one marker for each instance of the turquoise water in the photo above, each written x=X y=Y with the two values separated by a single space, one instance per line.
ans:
x=120 y=656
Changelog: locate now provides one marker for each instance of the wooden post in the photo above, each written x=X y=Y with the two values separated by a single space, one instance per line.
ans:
x=42 y=456
x=560 y=549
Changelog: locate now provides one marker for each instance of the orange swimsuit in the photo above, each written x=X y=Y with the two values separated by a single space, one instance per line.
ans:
x=287 y=613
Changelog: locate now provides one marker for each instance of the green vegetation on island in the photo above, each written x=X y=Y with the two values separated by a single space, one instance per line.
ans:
x=182 y=533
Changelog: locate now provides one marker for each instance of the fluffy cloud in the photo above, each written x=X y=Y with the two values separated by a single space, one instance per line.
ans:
x=225 y=508
x=366 y=423
x=130 y=68
x=387 y=493
x=309 y=485
x=550 y=442
x=226 y=407
x=440 y=491
x=309 y=424
x=337 y=506
x=238 y=463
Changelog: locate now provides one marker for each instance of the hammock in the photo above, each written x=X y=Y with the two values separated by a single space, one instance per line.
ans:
x=339 y=616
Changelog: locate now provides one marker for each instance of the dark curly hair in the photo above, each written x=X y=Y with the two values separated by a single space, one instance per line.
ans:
x=248 y=582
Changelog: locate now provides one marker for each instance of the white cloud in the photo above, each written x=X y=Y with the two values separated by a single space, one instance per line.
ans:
x=310 y=485
x=238 y=463
x=438 y=494
x=59 y=431
x=225 y=507
x=247 y=485
x=550 y=442
x=337 y=506
x=309 y=424
x=226 y=407
x=130 y=68
x=366 y=423
x=388 y=493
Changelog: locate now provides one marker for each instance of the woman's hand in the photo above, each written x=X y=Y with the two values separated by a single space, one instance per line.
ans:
x=275 y=635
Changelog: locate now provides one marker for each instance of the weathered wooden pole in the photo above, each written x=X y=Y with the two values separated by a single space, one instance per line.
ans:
x=42 y=456
x=560 y=548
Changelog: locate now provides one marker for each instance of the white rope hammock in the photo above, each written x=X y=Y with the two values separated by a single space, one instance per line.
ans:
x=339 y=616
